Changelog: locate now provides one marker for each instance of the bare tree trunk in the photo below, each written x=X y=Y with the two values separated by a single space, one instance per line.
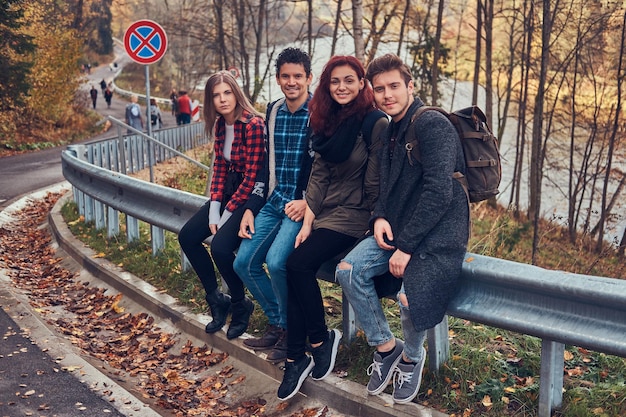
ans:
x=357 y=28
x=436 y=52
x=489 y=61
x=478 y=55
x=310 y=26
x=571 y=195
x=536 y=161
x=260 y=28
x=333 y=45
x=528 y=32
x=405 y=18
x=456 y=54
x=241 y=33
x=221 y=37
x=375 y=32
x=613 y=138
x=77 y=22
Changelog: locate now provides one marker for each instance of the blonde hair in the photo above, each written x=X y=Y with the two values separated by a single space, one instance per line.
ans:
x=210 y=114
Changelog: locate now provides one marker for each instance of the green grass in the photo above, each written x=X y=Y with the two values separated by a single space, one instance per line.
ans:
x=490 y=373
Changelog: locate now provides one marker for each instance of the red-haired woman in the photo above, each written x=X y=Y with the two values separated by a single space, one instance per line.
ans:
x=340 y=197
x=238 y=131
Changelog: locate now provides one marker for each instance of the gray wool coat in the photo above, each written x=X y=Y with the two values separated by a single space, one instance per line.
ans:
x=427 y=209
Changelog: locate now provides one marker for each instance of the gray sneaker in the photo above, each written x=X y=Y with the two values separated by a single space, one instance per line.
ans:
x=381 y=370
x=407 y=379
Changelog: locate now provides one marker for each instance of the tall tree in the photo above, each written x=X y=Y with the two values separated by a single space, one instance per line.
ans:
x=477 y=50
x=357 y=29
x=15 y=57
x=436 y=54
x=536 y=157
x=333 y=44
x=338 y=11
x=620 y=75
x=489 y=61
x=403 y=24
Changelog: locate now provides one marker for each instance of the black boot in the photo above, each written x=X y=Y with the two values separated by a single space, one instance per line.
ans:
x=219 y=304
x=242 y=310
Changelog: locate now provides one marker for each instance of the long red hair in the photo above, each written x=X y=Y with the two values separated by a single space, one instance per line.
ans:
x=326 y=113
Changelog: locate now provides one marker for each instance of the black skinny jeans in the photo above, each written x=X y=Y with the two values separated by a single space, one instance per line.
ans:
x=305 y=308
x=223 y=247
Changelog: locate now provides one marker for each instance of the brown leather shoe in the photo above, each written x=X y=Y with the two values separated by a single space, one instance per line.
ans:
x=279 y=353
x=268 y=340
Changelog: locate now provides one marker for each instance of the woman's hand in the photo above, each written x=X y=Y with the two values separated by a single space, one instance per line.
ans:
x=246 y=227
x=304 y=233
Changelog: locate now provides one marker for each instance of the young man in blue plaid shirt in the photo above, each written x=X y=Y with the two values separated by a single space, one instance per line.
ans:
x=269 y=228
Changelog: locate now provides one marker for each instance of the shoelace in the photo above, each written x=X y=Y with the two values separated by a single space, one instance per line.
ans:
x=400 y=377
x=375 y=367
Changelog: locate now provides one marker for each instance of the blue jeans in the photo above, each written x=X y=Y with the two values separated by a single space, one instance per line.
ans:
x=369 y=260
x=272 y=243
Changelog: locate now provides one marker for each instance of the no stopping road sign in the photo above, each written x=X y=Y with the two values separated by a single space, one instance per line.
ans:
x=145 y=42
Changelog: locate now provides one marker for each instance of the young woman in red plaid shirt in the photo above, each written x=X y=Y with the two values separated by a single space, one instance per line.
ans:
x=238 y=133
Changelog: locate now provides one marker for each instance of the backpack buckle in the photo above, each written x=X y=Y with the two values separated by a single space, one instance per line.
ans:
x=409 y=147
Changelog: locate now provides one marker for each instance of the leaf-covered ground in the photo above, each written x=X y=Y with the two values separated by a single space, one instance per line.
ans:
x=185 y=379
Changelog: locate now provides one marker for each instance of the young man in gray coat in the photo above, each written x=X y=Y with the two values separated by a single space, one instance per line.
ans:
x=420 y=231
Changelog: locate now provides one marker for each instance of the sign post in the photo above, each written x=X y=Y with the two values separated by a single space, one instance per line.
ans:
x=145 y=42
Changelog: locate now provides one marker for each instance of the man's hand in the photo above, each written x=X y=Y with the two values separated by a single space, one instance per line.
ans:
x=295 y=210
x=383 y=234
x=246 y=227
x=398 y=262
x=213 y=228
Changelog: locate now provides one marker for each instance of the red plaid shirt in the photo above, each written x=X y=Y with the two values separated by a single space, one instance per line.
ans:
x=246 y=156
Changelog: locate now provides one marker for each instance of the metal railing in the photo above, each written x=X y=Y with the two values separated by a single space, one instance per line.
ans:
x=558 y=307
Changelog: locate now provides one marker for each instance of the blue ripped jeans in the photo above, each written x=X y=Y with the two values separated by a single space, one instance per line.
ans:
x=369 y=260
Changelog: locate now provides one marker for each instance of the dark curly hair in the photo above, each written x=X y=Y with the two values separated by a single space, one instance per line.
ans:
x=293 y=56
x=326 y=113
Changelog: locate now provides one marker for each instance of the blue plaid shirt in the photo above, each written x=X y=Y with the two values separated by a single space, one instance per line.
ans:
x=290 y=144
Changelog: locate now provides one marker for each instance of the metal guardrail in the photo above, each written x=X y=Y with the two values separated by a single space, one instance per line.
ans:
x=558 y=307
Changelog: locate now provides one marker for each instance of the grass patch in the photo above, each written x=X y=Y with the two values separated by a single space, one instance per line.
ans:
x=491 y=372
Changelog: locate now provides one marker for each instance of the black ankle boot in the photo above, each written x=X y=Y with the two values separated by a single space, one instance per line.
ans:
x=219 y=304
x=242 y=311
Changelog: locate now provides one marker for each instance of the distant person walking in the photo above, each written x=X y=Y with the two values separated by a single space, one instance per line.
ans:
x=184 y=109
x=174 y=99
x=94 y=95
x=103 y=85
x=133 y=114
x=108 y=95
x=155 y=115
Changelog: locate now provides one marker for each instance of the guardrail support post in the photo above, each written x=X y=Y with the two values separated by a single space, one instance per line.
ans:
x=349 y=319
x=158 y=239
x=438 y=345
x=551 y=377
x=122 y=150
x=113 y=223
x=184 y=262
x=132 y=229
x=78 y=151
